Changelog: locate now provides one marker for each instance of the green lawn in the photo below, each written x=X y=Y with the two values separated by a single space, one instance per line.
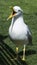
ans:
x=30 y=9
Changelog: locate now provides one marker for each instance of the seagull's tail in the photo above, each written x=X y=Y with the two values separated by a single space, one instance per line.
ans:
x=30 y=40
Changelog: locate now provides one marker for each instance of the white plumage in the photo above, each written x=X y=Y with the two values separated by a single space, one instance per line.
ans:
x=18 y=30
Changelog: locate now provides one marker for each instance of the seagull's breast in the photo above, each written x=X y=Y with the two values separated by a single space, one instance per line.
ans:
x=19 y=30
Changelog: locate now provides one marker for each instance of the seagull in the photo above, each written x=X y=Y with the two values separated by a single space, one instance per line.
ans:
x=19 y=31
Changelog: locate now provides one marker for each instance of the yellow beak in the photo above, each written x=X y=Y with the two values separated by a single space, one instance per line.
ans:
x=12 y=15
x=9 y=17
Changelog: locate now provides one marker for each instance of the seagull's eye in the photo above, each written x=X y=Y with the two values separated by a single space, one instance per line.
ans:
x=14 y=12
x=19 y=11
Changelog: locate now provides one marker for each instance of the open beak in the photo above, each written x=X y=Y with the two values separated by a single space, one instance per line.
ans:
x=12 y=15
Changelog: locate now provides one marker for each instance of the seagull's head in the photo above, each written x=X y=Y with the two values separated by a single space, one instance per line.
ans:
x=16 y=11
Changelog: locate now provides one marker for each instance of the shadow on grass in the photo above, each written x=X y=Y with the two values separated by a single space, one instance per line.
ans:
x=28 y=52
x=6 y=54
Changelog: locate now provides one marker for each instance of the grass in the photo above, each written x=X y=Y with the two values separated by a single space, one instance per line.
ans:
x=30 y=9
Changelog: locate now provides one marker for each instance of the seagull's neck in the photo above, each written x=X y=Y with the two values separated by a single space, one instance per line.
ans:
x=18 y=18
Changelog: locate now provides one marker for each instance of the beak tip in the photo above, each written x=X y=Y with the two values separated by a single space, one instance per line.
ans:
x=7 y=19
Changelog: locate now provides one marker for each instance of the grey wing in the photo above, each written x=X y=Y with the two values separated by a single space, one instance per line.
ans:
x=29 y=34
